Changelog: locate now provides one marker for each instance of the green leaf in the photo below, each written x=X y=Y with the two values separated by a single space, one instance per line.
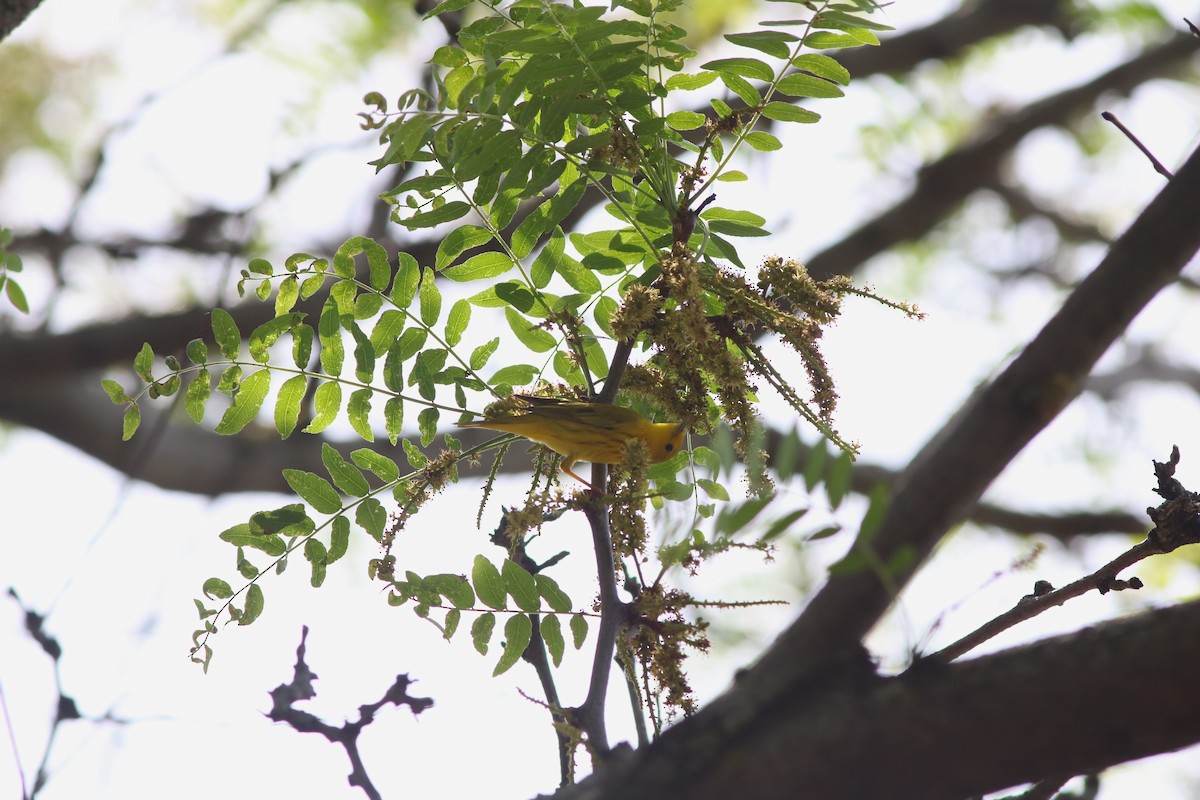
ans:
x=480 y=267
x=315 y=554
x=605 y=308
x=254 y=605
x=685 y=120
x=240 y=536
x=314 y=490
x=302 y=341
x=814 y=467
x=226 y=334
x=689 y=83
x=231 y=378
x=425 y=370
x=580 y=278
x=825 y=40
x=454 y=588
x=371 y=517
x=521 y=585
x=16 y=295
x=448 y=212
x=198 y=392
x=427 y=422
x=329 y=332
x=246 y=403
x=268 y=333
x=481 y=354
x=364 y=354
x=481 y=631
x=260 y=266
x=781 y=525
x=358 y=413
x=579 y=628
x=311 y=285
x=287 y=404
x=551 y=630
x=536 y=339
x=377 y=261
x=518 y=631
x=416 y=459
x=761 y=140
x=289 y=520
x=339 y=539
x=217 y=589
x=548 y=588
x=327 y=401
x=489 y=586
x=734 y=518
x=289 y=293
x=346 y=476
x=713 y=489
x=453 y=618
x=431 y=298
x=514 y=375
x=742 y=67
x=786 y=112
x=377 y=464
x=457 y=321
x=773 y=43
x=798 y=84
x=197 y=351
x=116 y=392
x=411 y=341
x=143 y=363
x=393 y=418
x=822 y=66
x=408 y=277
x=732 y=175
x=837 y=483
x=387 y=330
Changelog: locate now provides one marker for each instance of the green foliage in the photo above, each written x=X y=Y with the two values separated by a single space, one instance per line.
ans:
x=538 y=107
x=11 y=264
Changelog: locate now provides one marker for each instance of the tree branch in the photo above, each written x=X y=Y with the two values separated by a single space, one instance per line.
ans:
x=13 y=13
x=933 y=732
x=944 y=184
x=950 y=473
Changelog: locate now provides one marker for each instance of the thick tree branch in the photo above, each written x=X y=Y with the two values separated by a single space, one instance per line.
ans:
x=951 y=472
x=1068 y=705
x=13 y=13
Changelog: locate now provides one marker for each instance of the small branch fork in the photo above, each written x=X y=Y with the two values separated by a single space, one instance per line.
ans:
x=1176 y=521
x=285 y=696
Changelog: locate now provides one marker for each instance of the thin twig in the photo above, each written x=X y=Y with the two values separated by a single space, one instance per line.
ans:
x=1158 y=167
x=12 y=740
x=1177 y=522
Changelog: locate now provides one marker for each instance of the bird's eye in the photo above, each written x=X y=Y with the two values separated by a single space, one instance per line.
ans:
x=670 y=447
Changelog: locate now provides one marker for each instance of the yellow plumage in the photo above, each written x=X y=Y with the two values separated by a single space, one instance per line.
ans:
x=582 y=431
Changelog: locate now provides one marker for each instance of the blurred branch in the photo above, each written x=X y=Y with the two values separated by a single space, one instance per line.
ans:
x=1145 y=364
x=65 y=708
x=942 y=185
x=283 y=709
x=13 y=13
x=1022 y=207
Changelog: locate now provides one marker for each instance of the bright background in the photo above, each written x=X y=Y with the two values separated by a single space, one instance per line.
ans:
x=115 y=564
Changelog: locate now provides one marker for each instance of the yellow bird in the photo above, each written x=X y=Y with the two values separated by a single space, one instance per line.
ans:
x=582 y=431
